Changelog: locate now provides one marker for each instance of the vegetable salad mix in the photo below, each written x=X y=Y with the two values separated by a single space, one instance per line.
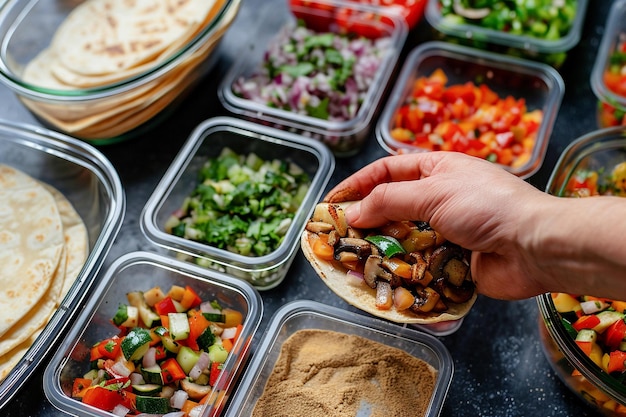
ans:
x=242 y=203
x=597 y=325
x=614 y=78
x=167 y=357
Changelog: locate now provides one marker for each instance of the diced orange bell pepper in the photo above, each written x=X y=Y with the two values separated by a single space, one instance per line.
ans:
x=171 y=371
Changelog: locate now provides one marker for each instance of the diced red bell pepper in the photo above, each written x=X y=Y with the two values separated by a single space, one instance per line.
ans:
x=171 y=371
x=586 y=322
x=104 y=399
x=617 y=358
x=614 y=334
x=216 y=369
x=165 y=306
x=106 y=349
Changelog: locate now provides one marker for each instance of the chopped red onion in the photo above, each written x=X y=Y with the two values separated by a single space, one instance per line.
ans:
x=120 y=410
x=229 y=333
x=178 y=399
x=202 y=364
x=120 y=369
x=149 y=358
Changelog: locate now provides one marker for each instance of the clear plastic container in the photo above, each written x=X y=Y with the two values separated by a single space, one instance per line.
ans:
x=207 y=141
x=469 y=31
x=299 y=315
x=598 y=150
x=91 y=184
x=540 y=85
x=607 y=78
x=102 y=111
x=346 y=137
x=140 y=271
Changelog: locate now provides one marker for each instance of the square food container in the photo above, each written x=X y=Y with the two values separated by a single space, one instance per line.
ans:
x=538 y=85
x=608 y=75
x=345 y=135
x=207 y=141
x=140 y=271
x=514 y=33
x=302 y=315
x=100 y=103
x=599 y=151
x=91 y=184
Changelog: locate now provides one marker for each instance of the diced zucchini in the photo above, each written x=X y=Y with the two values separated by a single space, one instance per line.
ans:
x=587 y=335
x=136 y=343
x=206 y=339
x=217 y=353
x=149 y=317
x=153 y=405
x=179 y=326
x=160 y=330
x=92 y=374
x=170 y=344
x=215 y=317
x=147 y=389
x=126 y=316
x=152 y=375
x=187 y=358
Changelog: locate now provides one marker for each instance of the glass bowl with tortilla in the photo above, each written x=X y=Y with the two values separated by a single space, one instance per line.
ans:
x=583 y=336
x=236 y=198
x=314 y=356
x=103 y=70
x=61 y=205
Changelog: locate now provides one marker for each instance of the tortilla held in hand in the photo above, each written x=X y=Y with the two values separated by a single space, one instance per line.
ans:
x=404 y=272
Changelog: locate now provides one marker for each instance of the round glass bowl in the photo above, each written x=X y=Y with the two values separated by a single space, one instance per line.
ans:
x=599 y=150
x=108 y=107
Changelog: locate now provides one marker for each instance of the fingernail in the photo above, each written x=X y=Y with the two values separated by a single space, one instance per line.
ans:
x=353 y=212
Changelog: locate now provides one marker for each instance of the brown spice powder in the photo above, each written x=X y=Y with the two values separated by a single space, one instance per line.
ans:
x=332 y=374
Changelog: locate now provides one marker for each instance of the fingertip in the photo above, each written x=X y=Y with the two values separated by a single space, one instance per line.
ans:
x=353 y=212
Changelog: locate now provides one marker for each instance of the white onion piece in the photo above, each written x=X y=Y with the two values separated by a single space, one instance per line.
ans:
x=136 y=378
x=203 y=363
x=149 y=358
x=206 y=307
x=229 y=333
x=593 y=306
x=120 y=369
x=354 y=278
x=196 y=411
x=179 y=398
x=120 y=410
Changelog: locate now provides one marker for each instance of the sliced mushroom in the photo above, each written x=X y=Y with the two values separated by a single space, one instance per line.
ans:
x=319 y=227
x=195 y=391
x=373 y=270
x=426 y=300
x=419 y=270
x=333 y=237
x=457 y=294
x=361 y=248
x=455 y=271
x=469 y=12
x=440 y=258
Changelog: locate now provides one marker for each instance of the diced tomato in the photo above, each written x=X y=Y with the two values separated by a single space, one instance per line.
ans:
x=617 y=360
x=586 y=322
x=106 y=349
x=171 y=371
x=614 y=334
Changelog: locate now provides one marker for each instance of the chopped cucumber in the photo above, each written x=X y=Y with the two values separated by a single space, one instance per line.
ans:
x=179 y=326
x=126 y=316
x=187 y=358
x=152 y=375
x=206 y=339
x=217 y=353
x=153 y=405
x=147 y=389
x=149 y=317
x=136 y=343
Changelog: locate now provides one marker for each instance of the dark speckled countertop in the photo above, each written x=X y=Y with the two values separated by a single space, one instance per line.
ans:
x=500 y=369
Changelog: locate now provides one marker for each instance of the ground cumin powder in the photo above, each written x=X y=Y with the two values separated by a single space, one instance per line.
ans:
x=331 y=374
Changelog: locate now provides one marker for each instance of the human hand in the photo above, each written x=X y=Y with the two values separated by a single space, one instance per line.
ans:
x=470 y=201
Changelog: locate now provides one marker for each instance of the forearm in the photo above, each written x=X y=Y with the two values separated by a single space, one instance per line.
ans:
x=580 y=244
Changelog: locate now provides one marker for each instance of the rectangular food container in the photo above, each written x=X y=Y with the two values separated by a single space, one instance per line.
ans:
x=207 y=141
x=140 y=271
x=345 y=135
x=468 y=26
x=539 y=85
x=91 y=184
x=609 y=70
x=108 y=106
x=300 y=315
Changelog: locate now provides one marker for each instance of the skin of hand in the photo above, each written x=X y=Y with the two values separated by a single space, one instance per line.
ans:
x=524 y=242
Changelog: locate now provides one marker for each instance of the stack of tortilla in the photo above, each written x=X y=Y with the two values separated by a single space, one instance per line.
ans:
x=107 y=41
x=43 y=246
